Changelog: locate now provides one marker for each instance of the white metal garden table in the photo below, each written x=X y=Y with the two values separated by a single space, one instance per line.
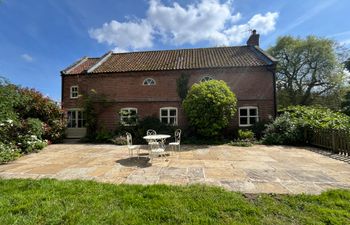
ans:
x=160 y=148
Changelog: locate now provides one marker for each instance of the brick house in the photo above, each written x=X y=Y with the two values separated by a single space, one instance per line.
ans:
x=144 y=83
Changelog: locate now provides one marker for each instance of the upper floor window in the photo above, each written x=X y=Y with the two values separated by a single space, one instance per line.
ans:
x=74 y=92
x=206 y=78
x=149 y=81
x=76 y=118
x=128 y=116
x=248 y=115
x=168 y=115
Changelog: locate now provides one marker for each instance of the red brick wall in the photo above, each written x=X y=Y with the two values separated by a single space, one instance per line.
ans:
x=252 y=86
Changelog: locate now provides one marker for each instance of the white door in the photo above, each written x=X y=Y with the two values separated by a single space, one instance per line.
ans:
x=76 y=123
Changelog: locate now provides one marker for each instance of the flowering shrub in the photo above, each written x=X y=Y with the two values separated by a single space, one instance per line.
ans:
x=27 y=120
x=119 y=140
x=8 y=153
x=30 y=143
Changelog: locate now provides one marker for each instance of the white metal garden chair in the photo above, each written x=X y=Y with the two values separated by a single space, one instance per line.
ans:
x=157 y=150
x=132 y=147
x=176 y=145
x=150 y=132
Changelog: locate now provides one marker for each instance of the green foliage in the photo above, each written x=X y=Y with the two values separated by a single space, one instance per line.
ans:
x=307 y=69
x=26 y=119
x=284 y=130
x=289 y=127
x=92 y=103
x=8 y=152
x=258 y=129
x=345 y=105
x=34 y=126
x=182 y=86
x=139 y=131
x=103 y=203
x=209 y=107
x=245 y=134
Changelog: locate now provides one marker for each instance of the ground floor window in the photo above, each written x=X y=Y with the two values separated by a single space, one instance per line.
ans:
x=128 y=116
x=248 y=115
x=76 y=118
x=168 y=115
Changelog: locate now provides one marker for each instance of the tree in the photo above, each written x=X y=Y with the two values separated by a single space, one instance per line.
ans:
x=307 y=69
x=345 y=105
x=210 y=106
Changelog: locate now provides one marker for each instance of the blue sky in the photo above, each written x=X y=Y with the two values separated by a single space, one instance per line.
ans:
x=39 y=38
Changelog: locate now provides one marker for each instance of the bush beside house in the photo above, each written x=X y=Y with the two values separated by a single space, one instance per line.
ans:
x=290 y=126
x=28 y=121
x=210 y=107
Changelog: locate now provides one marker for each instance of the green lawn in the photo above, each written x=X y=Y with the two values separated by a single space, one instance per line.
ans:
x=83 y=202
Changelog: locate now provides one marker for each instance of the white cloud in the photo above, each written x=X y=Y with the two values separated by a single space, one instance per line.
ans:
x=125 y=35
x=206 y=20
x=27 y=57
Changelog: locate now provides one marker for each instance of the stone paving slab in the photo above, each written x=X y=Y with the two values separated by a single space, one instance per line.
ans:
x=256 y=169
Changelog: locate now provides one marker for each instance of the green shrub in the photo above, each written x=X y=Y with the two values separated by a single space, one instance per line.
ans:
x=258 y=129
x=289 y=128
x=284 y=130
x=8 y=152
x=210 y=107
x=245 y=135
x=103 y=136
x=34 y=126
x=19 y=104
x=30 y=143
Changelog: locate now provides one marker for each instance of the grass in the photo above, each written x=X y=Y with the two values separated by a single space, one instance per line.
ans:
x=85 y=202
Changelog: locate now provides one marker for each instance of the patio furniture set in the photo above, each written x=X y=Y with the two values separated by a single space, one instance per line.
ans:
x=156 y=143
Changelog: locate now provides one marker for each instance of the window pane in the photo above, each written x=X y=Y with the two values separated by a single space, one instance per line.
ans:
x=132 y=112
x=252 y=112
x=172 y=120
x=164 y=112
x=164 y=120
x=253 y=120
x=80 y=115
x=80 y=124
x=243 y=112
x=243 y=120
x=172 y=112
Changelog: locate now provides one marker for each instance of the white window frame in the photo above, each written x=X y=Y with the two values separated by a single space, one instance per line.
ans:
x=206 y=78
x=248 y=116
x=147 y=80
x=76 y=117
x=74 y=91
x=168 y=116
x=128 y=116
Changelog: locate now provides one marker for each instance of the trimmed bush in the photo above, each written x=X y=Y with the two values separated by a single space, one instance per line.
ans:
x=210 y=107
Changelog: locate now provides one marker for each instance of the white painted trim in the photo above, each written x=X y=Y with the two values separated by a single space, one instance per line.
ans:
x=248 y=116
x=168 y=108
x=76 y=65
x=207 y=75
x=143 y=83
x=100 y=62
x=70 y=91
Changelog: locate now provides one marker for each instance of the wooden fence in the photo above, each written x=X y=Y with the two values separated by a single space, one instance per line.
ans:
x=337 y=142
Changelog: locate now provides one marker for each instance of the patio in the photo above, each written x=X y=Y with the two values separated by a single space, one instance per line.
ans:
x=257 y=169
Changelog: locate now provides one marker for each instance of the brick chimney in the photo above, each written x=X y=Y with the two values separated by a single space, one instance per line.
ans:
x=253 y=39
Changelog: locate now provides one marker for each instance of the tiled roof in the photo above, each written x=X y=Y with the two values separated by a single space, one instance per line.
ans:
x=81 y=66
x=200 y=58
